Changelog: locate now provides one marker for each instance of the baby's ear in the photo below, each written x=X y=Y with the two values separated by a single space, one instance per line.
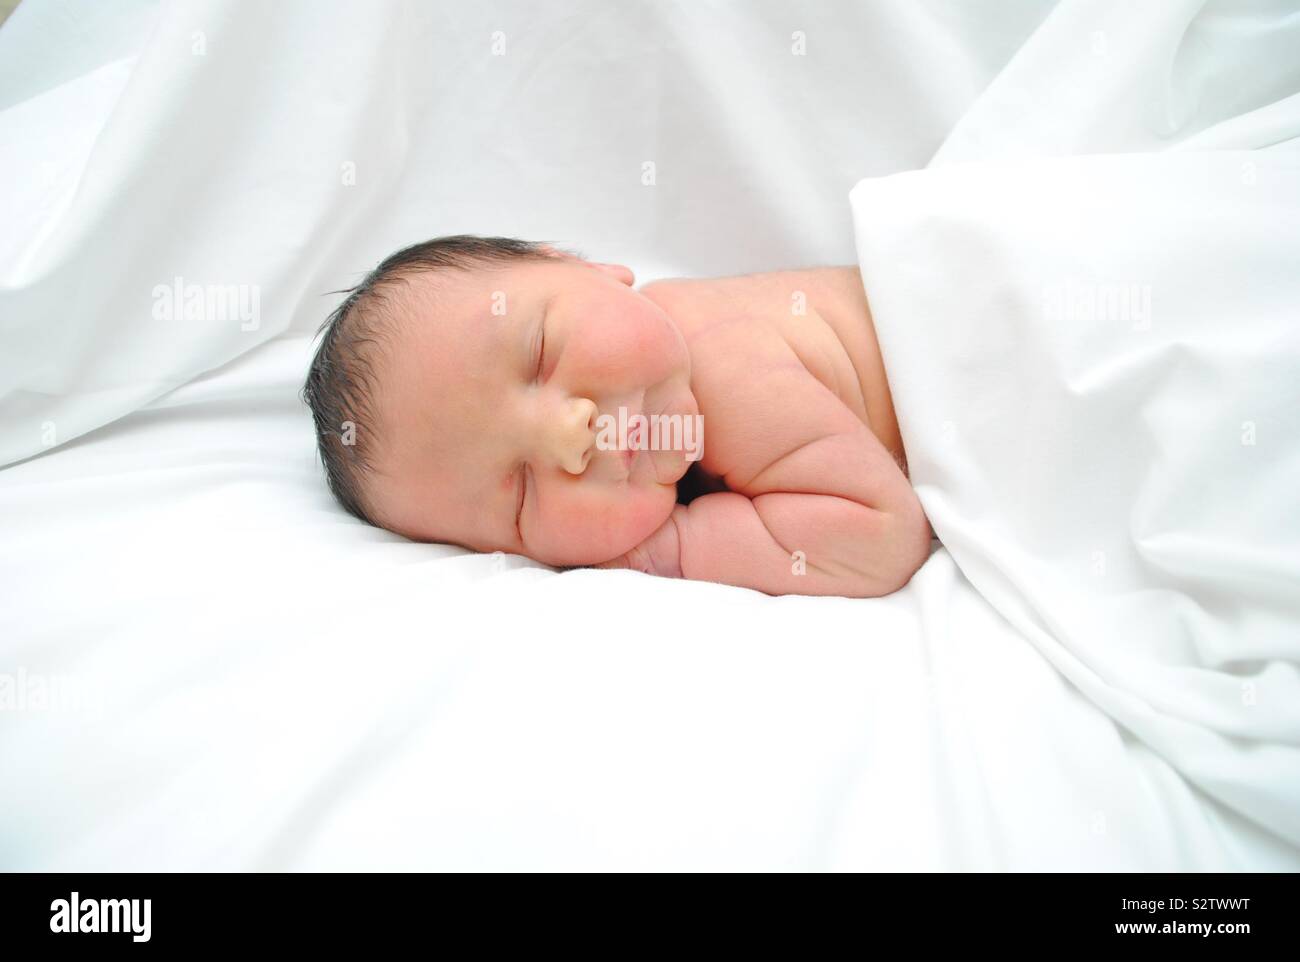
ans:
x=617 y=271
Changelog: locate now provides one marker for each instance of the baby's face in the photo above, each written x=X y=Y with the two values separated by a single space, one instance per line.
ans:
x=488 y=429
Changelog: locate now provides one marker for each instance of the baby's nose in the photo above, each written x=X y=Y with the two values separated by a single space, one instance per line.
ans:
x=576 y=435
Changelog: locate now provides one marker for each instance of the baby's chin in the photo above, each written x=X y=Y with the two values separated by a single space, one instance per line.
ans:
x=681 y=441
x=667 y=467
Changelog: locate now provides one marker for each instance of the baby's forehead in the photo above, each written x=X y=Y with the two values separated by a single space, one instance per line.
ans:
x=471 y=314
x=448 y=340
x=449 y=311
x=479 y=287
x=444 y=361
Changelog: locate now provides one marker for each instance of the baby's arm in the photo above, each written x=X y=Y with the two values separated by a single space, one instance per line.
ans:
x=817 y=505
x=793 y=542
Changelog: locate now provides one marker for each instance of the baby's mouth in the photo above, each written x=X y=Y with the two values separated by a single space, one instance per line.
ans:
x=633 y=447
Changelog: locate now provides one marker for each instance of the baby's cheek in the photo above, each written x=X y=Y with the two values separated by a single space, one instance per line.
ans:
x=659 y=347
x=620 y=354
x=594 y=528
x=638 y=348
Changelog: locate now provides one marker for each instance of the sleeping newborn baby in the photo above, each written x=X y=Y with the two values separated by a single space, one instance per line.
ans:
x=505 y=395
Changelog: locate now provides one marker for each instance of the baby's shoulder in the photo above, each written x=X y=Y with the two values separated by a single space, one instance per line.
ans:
x=737 y=328
x=717 y=316
x=763 y=363
x=751 y=312
x=771 y=293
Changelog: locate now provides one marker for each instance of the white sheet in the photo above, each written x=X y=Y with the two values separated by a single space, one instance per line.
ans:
x=1094 y=361
x=286 y=149
x=1097 y=359
x=243 y=677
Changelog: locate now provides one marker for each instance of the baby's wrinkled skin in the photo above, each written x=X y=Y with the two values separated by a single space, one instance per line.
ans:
x=489 y=434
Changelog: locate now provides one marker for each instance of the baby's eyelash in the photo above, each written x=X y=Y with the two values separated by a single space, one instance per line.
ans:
x=541 y=353
x=519 y=509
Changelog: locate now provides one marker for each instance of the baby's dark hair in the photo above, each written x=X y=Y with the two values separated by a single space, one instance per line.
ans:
x=340 y=386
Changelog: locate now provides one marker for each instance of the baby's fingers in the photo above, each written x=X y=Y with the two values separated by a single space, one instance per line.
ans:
x=635 y=560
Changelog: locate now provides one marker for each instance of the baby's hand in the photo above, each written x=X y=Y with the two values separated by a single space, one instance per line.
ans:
x=659 y=554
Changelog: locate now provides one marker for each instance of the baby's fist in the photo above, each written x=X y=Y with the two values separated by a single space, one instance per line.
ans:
x=659 y=554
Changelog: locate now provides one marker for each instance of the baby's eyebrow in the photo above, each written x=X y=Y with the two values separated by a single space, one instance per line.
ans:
x=510 y=331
